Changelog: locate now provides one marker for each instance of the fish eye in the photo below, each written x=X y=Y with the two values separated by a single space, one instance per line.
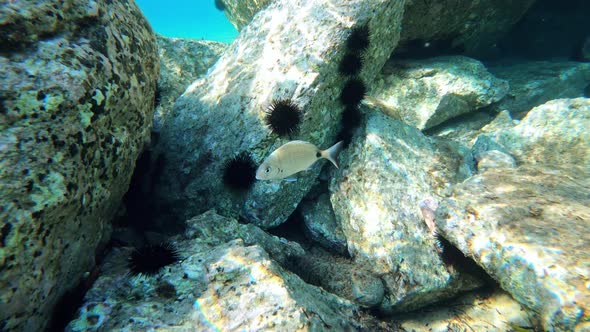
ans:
x=267 y=170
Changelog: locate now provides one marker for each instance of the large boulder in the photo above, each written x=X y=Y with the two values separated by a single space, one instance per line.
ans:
x=527 y=225
x=555 y=133
x=425 y=93
x=290 y=50
x=385 y=176
x=474 y=26
x=182 y=61
x=470 y=26
x=222 y=283
x=534 y=83
x=240 y=12
x=528 y=228
x=77 y=86
x=480 y=310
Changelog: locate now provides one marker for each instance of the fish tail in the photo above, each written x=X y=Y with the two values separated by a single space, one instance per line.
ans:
x=332 y=153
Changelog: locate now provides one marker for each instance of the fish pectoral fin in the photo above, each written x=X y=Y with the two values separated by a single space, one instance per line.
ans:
x=290 y=179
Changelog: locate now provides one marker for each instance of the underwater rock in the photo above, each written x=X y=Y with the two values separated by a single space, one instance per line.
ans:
x=321 y=224
x=289 y=51
x=528 y=228
x=489 y=310
x=240 y=12
x=182 y=61
x=217 y=285
x=425 y=93
x=376 y=196
x=494 y=159
x=555 y=133
x=77 y=86
x=341 y=276
x=466 y=129
x=213 y=229
x=465 y=25
x=459 y=25
x=536 y=82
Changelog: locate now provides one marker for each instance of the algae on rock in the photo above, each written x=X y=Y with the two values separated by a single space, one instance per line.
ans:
x=76 y=109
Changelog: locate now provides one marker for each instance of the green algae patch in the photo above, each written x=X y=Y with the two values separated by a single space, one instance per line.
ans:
x=51 y=192
x=86 y=115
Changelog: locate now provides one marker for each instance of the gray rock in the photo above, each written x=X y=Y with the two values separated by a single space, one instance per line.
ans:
x=466 y=129
x=182 y=61
x=555 y=133
x=485 y=143
x=494 y=159
x=384 y=176
x=321 y=224
x=222 y=114
x=341 y=276
x=77 y=86
x=226 y=285
x=240 y=12
x=212 y=229
x=474 y=311
x=425 y=93
x=473 y=25
x=534 y=83
x=528 y=228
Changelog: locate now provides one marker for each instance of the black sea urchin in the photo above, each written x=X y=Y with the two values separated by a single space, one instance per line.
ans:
x=283 y=117
x=149 y=260
x=239 y=172
x=353 y=92
x=358 y=40
x=351 y=117
x=350 y=64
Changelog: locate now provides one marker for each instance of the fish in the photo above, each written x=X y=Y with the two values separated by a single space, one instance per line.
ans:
x=294 y=157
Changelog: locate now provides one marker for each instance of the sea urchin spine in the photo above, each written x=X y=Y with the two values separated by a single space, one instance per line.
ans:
x=358 y=40
x=149 y=260
x=239 y=172
x=353 y=92
x=350 y=64
x=283 y=117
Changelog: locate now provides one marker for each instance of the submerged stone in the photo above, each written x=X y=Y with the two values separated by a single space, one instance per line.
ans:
x=77 y=84
x=385 y=175
x=425 y=93
x=528 y=228
x=536 y=82
x=182 y=61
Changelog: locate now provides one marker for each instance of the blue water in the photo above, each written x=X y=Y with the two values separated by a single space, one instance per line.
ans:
x=195 y=19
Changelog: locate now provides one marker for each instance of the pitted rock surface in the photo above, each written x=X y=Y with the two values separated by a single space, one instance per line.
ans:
x=77 y=86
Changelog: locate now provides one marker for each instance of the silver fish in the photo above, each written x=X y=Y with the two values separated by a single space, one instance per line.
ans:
x=294 y=157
